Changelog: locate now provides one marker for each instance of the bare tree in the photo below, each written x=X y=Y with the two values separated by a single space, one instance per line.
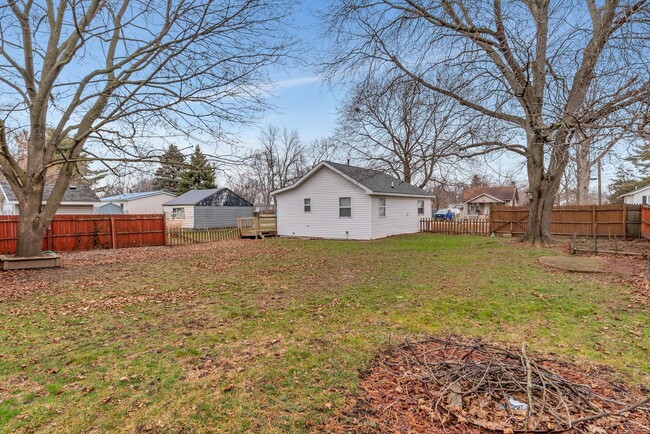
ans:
x=109 y=75
x=279 y=161
x=400 y=126
x=529 y=65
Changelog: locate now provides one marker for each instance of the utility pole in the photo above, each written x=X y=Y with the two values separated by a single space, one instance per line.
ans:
x=600 y=185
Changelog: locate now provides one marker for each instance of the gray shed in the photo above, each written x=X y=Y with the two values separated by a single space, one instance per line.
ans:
x=212 y=208
x=108 y=208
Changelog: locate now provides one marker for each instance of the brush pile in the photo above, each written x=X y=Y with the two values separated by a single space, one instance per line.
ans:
x=455 y=386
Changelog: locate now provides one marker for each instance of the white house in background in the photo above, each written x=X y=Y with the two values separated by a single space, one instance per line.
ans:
x=340 y=201
x=78 y=199
x=640 y=196
x=211 y=208
x=147 y=202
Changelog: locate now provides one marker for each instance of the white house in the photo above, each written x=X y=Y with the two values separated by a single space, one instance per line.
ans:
x=339 y=201
x=640 y=196
x=211 y=208
x=78 y=199
x=147 y=202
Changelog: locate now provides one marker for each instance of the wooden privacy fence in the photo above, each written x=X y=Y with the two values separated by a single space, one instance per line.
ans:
x=455 y=227
x=184 y=236
x=87 y=232
x=645 y=221
x=615 y=220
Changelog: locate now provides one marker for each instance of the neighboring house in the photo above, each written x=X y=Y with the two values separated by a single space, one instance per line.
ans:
x=213 y=208
x=148 y=202
x=339 y=201
x=477 y=201
x=639 y=196
x=78 y=199
x=108 y=208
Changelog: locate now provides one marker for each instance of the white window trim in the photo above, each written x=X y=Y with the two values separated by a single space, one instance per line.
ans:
x=380 y=207
x=345 y=207
x=304 y=205
x=418 y=207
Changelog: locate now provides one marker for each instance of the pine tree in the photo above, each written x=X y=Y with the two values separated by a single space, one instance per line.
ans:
x=199 y=175
x=167 y=176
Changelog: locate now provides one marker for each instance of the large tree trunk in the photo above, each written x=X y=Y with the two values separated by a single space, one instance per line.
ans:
x=583 y=169
x=32 y=225
x=542 y=188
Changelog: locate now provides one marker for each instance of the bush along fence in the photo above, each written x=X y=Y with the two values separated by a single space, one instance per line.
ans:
x=184 y=236
x=86 y=232
x=457 y=227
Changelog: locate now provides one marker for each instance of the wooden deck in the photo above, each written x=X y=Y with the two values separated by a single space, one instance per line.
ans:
x=261 y=226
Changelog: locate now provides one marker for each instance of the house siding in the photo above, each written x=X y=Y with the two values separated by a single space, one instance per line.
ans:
x=324 y=189
x=188 y=221
x=146 y=205
x=401 y=216
x=75 y=209
x=220 y=216
x=637 y=198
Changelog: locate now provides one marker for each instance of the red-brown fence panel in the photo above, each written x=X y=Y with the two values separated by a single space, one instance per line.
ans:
x=86 y=232
x=645 y=221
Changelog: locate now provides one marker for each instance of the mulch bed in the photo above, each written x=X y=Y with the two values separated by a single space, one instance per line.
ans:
x=452 y=385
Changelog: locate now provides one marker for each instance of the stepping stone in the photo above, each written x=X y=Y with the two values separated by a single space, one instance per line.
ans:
x=575 y=263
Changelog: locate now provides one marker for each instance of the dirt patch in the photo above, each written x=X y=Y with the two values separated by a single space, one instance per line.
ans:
x=456 y=386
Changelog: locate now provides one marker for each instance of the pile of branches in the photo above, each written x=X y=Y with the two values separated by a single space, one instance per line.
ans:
x=497 y=389
x=452 y=385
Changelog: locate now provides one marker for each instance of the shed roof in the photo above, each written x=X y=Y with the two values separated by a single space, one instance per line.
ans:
x=193 y=197
x=133 y=196
x=373 y=181
x=74 y=193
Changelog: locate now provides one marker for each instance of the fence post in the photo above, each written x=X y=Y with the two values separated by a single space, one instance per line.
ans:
x=624 y=221
x=164 y=218
x=593 y=219
x=49 y=238
x=113 y=233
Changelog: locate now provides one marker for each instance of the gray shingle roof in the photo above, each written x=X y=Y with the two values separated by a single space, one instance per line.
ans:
x=192 y=197
x=378 y=182
x=74 y=193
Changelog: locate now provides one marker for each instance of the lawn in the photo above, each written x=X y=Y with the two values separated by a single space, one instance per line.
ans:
x=272 y=335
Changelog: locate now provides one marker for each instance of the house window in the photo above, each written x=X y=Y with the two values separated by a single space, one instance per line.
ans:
x=382 y=207
x=307 y=205
x=178 y=213
x=420 y=207
x=345 y=207
x=644 y=200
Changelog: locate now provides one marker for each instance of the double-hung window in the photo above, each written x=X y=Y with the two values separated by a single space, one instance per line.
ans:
x=382 y=207
x=307 y=205
x=345 y=207
x=420 y=207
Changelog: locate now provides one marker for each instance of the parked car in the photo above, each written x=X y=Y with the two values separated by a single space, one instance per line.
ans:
x=443 y=214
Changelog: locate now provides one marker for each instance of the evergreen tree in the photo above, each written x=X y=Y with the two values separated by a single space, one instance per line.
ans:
x=199 y=175
x=167 y=176
x=640 y=158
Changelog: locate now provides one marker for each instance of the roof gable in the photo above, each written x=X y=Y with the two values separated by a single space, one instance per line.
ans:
x=74 y=193
x=638 y=190
x=371 y=181
x=209 y=197
x=503 y=193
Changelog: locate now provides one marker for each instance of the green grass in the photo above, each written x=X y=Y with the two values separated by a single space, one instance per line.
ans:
x=270 y=336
